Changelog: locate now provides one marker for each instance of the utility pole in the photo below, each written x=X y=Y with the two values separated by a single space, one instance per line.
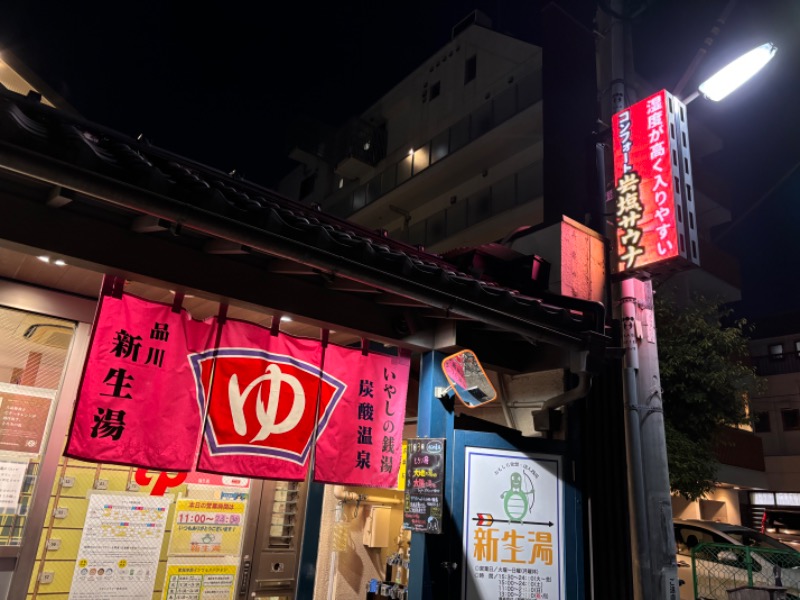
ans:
x=647 y=450
x=656 y=575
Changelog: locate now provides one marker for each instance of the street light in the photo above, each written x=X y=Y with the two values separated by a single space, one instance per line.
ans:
x=649 y=477
x=733 y=75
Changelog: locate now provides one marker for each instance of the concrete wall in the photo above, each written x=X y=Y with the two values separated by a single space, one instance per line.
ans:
x=500 y=61
x=783 y=473
x=721 y=505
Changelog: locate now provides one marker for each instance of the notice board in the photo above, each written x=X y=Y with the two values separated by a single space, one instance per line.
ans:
x=424 y=493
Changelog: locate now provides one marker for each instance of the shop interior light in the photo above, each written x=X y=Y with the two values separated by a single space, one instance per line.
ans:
x=729 y=78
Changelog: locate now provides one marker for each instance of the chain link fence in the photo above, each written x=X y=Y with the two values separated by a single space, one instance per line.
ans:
x=720 y=568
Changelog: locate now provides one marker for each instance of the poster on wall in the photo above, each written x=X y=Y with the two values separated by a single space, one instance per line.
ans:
x=401 y=473
x=12 y=477
x=424 y=493
x=23 y=418
x=513 y=525
x=207 y=528
x=120 y=547
x=189 y=580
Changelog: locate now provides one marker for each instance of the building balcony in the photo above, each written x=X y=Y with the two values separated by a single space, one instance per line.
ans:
x=359 y=147
x=504 y=125
x=511 y=192
x=776 y=364
x=739 y=448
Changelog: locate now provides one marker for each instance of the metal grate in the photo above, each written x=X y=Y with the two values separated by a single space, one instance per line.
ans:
x=719 y=568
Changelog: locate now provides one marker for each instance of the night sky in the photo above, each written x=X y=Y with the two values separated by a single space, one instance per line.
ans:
x=224 y=85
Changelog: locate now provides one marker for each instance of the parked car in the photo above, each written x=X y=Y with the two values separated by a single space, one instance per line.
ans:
x=720 y=569
x=783 y=525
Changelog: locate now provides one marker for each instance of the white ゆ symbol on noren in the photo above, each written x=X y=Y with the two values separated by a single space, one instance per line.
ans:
x=266 y=414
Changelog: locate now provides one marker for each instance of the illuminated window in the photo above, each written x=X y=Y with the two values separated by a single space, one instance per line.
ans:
x=788 y=499
x=776 y=351
x=761 y=422
x=762 y=498
x=470 y=69
x=791 y=419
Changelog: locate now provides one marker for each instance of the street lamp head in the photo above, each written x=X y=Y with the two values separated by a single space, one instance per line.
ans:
x=730 y=77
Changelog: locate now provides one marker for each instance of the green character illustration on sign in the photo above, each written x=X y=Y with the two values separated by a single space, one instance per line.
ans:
x=515 y=500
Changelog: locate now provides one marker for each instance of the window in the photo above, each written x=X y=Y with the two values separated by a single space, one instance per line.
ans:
x=791 y=419
x=35 y=351
x=790 y=499
x=470 y=69
x=436 y=89
x=762 y=498
x=797 y=347
x=776 y=351
x=761 y=422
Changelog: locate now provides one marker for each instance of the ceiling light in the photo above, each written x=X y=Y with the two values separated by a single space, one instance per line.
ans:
x=729 y=78
x=59 y=263
x=44 y=259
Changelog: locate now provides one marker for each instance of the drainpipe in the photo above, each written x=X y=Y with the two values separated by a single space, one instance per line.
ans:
x=341 y=493
x=547 y=419
x=576 y=393
x=334 y=554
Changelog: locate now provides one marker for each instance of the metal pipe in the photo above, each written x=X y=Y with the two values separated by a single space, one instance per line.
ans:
x=334 y=554
x=576 y=393
x=501 y=382
x=634 y=438
x=636 y=481
x=341 y=493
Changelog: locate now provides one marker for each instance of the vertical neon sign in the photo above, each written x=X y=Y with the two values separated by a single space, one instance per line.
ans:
x=644 y=177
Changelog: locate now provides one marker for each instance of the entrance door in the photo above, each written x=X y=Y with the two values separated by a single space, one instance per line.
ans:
x=517 y=515
x=271 y=551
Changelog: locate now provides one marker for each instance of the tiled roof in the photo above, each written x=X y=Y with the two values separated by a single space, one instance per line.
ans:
x=207 y=201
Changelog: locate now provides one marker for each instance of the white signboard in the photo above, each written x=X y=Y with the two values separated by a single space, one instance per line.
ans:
x=192 y=579
x=120 y=547
x=12 y=476
x=513 y=526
